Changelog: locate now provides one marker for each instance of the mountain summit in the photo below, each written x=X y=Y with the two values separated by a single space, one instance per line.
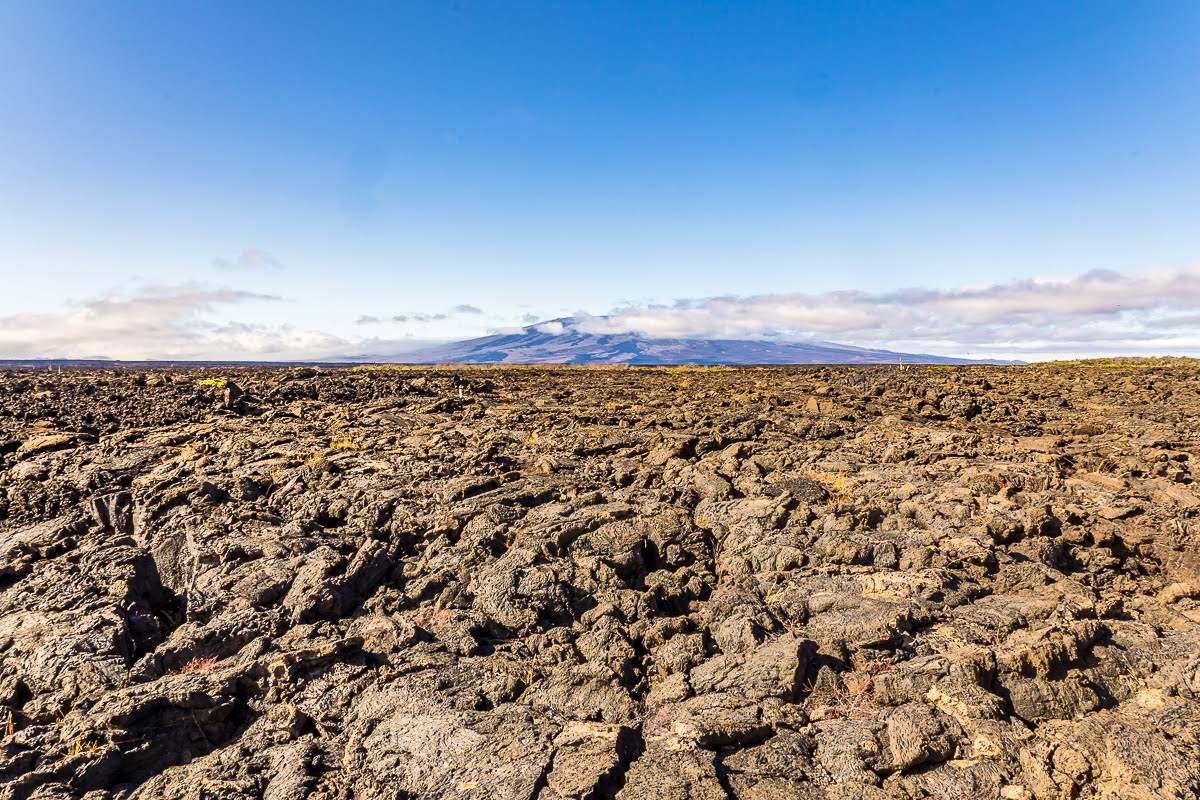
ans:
x=559 y=341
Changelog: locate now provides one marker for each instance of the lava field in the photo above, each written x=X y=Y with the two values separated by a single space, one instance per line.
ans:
x=675 y=583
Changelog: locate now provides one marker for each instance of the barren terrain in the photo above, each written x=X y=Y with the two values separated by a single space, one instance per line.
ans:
x=648 y=584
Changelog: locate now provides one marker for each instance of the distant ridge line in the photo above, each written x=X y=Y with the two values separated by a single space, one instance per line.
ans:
x=532 y=344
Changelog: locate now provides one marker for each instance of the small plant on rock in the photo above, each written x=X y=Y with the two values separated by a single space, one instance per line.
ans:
x=850 y=696
x=173 y=618
x=195 y=665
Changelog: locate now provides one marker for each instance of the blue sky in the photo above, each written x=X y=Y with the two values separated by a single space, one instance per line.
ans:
x=303 y=180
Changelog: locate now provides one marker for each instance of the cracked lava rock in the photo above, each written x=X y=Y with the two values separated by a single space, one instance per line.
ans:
x=645 y=584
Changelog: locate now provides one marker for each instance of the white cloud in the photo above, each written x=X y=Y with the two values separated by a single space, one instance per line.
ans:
x=422 y=317
x=153 y=321
x=252 y=259
x=1099 y=312
x=176 y=323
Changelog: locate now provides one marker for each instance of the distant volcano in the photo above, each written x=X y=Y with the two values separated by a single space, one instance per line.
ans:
x=560 y=342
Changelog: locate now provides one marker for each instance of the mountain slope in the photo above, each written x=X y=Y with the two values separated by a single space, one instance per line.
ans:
x=544 y=344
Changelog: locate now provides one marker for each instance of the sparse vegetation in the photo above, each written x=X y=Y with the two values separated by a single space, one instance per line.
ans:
x=839 y=492
x=197 y=664
x=1126 y=362
x=850 y=695
x=389 y=367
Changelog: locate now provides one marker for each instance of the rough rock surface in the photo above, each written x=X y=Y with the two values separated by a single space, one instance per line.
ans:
x=645 y=584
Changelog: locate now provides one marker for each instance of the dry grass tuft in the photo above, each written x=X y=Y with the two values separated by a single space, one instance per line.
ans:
x=195 y=665
x=850 y=696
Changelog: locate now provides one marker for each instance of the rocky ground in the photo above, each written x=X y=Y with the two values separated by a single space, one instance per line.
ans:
x=652 y=584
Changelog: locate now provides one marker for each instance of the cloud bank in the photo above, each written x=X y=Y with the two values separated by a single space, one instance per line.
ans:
x=174 y=323
x=168 y=320
x=1099 y=312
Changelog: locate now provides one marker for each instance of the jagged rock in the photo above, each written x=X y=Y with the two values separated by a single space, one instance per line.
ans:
x=766 y=584
x=667 y=771
x=916 y=734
